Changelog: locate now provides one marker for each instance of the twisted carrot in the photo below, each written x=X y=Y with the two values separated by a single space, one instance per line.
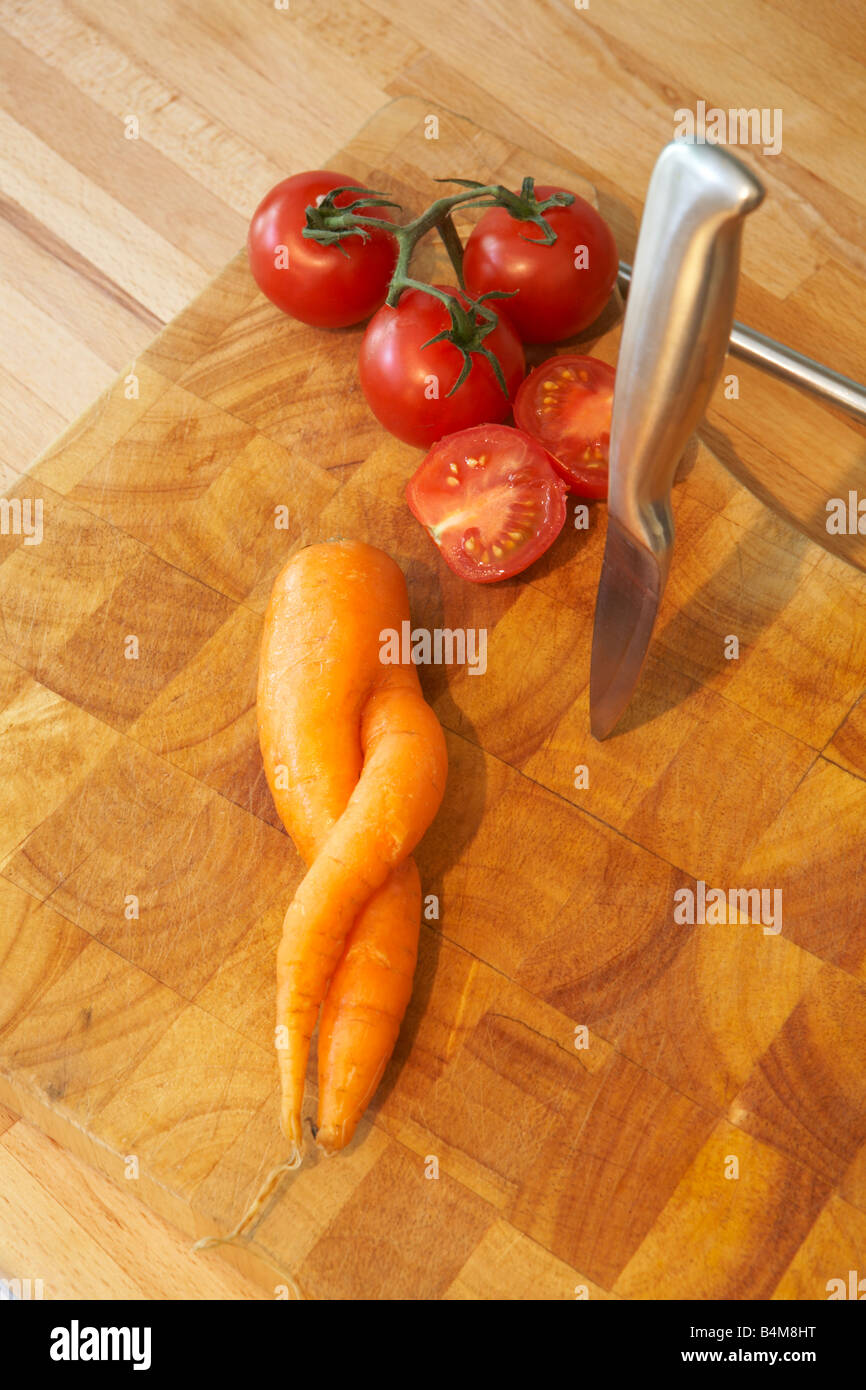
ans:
x=356 y=763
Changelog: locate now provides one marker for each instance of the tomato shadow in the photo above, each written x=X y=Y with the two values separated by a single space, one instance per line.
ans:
x=600 y=338
x=574 y=546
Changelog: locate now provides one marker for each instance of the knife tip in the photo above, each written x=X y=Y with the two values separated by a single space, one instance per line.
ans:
x=599 y=726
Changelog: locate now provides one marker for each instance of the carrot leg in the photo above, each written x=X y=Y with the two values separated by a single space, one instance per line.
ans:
x=315 y=927
x=365 y=1004
x=385 y=817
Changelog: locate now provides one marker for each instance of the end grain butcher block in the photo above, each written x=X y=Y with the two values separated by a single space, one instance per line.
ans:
x=587 y=1094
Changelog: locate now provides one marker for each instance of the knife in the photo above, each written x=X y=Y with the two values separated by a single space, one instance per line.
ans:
x=786 y=363
x=678 y=321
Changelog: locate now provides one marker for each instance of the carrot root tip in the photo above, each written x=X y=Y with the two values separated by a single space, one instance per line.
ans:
x=330 y=1140
x=254 y=1210
x=290 y=1124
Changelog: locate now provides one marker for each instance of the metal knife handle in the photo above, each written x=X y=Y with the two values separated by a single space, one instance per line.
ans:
x=786 y=363
x=801 y=371
x=677 y=325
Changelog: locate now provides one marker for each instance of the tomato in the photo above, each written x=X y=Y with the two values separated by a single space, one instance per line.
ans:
x=406 y=378
x=555 y=299
x=314 y=283
x=566 y=404
x=490 y=499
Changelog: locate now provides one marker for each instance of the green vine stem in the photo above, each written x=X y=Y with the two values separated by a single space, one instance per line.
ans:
x=471 y=319
x=453 y=245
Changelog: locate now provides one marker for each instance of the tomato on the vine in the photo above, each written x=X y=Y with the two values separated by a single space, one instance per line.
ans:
x=328 y=286
x=566 y=404
x=561 y=288
x=490 y=500
x=406 y=378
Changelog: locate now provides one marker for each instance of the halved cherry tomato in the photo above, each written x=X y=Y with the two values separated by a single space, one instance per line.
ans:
x=566 y=404
x=490 y=499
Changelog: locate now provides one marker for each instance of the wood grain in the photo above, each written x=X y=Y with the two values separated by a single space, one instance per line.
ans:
x=749 y=773
x=148 y=1030
x=64 y=1225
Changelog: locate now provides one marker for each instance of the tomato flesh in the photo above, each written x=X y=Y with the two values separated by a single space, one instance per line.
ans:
x=490 y=499
x=566 y=404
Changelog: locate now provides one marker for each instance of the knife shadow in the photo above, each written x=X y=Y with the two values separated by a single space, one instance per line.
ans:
x=849 y=548
x=688 y=651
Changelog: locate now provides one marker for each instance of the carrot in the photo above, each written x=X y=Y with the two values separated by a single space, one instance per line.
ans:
x=365 y=1004
x=356 y=763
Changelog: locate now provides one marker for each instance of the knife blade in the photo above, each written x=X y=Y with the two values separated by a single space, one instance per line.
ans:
x=677 y=325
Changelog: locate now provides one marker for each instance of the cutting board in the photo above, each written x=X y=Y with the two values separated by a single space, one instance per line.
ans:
x=589 y=1097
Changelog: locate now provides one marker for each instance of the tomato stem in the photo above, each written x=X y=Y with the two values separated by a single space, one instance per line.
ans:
x=329 y=224
x=470 y=325
x=453 y=245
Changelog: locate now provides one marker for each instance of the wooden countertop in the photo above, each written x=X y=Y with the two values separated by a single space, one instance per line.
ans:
x=104 y=238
